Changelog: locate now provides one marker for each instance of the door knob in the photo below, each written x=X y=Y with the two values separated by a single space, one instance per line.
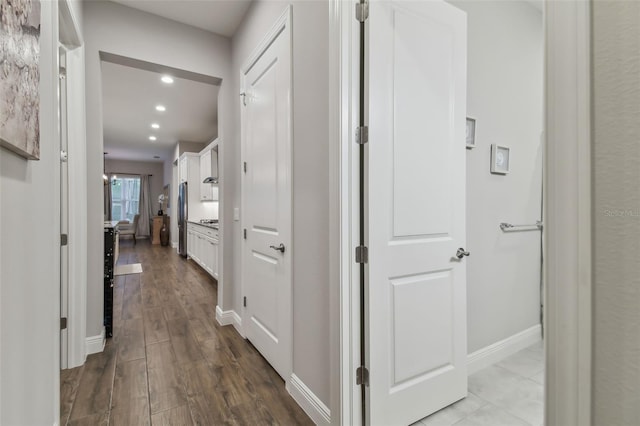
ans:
x=280 y=248
x=462 y=253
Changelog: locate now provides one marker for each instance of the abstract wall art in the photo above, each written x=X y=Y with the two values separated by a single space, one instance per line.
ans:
x=20 y=77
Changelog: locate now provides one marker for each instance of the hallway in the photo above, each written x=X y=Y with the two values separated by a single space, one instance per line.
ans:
x=169 y=362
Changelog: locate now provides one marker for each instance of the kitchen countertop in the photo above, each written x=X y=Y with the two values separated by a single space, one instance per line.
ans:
x=110 y=223
x=208 y=225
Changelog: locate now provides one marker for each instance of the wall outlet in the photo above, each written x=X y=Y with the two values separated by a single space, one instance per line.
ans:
x=236 y=214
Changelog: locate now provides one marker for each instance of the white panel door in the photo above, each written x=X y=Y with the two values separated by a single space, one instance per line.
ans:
x=416 y=222
x=267 y=199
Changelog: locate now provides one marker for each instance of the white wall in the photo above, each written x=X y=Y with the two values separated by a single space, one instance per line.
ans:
x=616 y=212
x=117 y=29
x=30 y=261
x=504 y=95
x=310 y=178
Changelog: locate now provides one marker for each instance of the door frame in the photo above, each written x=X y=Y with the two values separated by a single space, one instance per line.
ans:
x=567 y=202
x=344 y=218
x=73 y=43
x=568 y=212
x=282 y=24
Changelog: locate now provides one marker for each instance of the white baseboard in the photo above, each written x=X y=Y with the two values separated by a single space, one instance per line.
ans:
x=229 y=318
x=498 y=351
x=308 y=401
x=95 y=344
x=174 y=245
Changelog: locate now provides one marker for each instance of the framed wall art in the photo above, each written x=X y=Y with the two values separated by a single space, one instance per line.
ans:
x=20 y=77
x=500 y=159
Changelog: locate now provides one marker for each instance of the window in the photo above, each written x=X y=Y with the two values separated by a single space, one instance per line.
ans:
x=125 y=198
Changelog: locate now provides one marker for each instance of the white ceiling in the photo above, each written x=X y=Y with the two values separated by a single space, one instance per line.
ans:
x=129 y=97
x=218 y=16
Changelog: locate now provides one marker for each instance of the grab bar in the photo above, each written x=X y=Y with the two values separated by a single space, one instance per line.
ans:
x=508 y=227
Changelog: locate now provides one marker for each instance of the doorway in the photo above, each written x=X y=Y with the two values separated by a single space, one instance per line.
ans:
x=73 y=220
x=392 y=324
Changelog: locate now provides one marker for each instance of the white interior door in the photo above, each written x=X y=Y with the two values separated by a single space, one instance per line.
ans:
x=416 y=308
x=267 y=202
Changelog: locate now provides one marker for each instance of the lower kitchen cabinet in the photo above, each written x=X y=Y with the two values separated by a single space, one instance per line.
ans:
x=203 y=247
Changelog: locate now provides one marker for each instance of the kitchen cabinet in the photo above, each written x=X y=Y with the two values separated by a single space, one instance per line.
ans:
x=206 y=189
x=189 y=171
x=183 y=168
x=203 y=247
x=208 y=168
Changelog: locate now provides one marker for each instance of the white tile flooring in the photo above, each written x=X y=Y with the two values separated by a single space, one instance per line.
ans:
x=509 y=393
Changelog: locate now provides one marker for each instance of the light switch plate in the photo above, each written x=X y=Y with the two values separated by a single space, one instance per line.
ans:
x=236 y=213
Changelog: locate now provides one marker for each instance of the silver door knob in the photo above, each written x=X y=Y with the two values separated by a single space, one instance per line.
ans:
x=462 y=253
x=280 y=248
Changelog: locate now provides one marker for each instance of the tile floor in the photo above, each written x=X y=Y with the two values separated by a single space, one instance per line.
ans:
x=509 y=393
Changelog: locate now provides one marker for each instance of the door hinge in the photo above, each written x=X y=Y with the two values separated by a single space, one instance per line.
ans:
x=245 y=167
x=362 y=11
x=362 y=135
x=62 y=73
x=244 y=232
x=244 y=301
x=362 y=376
x=63 y=323
x=362 y=254
x=64 y=239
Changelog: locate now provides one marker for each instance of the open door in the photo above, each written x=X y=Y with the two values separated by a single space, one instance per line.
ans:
x=415 y=179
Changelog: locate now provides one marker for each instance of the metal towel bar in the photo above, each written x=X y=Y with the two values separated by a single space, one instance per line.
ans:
x=508 y=227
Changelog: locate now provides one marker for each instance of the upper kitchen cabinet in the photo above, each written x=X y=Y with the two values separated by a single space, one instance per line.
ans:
x=188 y=168
x=189 y=172
x=183 y=168
x=209 y=172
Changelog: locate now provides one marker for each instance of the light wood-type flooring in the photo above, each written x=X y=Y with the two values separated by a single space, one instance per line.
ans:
x=169 y=362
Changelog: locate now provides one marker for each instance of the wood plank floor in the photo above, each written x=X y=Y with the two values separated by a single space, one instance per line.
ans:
x=169 y=362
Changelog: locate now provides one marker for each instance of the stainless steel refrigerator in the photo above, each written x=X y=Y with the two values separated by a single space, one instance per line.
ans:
x=183 y=215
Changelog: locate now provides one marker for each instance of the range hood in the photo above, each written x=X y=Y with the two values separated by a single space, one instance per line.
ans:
x=210 y=179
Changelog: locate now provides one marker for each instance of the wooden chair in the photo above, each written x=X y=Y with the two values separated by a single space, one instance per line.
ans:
x=127 y=228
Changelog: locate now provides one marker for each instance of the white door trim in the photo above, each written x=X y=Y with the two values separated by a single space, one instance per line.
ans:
x=50 y=125
x=568 y=213
x=344 y=293
x=77 y=303
x=283 y=23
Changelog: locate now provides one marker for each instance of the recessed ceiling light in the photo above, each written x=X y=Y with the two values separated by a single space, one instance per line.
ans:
x=156 y=156
x=155 y=126
x=160 y=108
x=167 y=79
x=152 y=138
